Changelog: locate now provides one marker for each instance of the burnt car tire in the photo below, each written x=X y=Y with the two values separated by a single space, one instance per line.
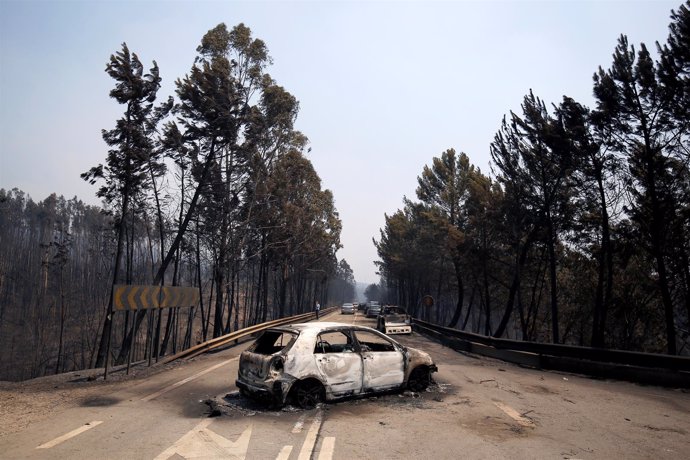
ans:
x=419 y=380
x=309 y=394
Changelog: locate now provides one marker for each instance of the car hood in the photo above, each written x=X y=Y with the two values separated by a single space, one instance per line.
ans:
x=416 y=357
x=396 y=317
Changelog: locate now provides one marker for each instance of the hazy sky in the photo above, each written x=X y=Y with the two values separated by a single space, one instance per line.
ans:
x=383 y=86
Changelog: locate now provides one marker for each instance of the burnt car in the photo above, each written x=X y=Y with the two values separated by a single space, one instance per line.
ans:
x=314 y=362
x=394 y=320
x=373 y=309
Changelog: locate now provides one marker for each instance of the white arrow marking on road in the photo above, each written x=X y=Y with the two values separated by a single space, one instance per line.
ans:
x=201 y=442
x=69 y=435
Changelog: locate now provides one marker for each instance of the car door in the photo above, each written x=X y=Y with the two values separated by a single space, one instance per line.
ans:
x=383 y=364
x=339 y=364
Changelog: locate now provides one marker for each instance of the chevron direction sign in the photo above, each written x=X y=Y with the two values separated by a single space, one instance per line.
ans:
x=138 y=297
x=176 y=296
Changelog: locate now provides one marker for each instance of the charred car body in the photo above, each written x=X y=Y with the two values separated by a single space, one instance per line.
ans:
x=373 y=309
x=394 y=320
x=314 y=362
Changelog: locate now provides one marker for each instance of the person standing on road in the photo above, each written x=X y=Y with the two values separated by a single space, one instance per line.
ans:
x=318 y=307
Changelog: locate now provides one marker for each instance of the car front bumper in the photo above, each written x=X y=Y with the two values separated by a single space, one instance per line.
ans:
x=398 y=329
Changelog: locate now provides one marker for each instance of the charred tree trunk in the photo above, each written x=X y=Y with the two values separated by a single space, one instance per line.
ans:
x=160 y=275
x=461 y=293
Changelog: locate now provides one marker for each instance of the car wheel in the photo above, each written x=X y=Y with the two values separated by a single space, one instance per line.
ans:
x=419 y=379
x=309 y=393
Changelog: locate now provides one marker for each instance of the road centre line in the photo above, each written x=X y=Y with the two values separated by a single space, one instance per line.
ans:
x=310 y=441
x=187 y=380
x=284 y=453
x=327 y=448
x=299 y=424
x=69 y=435
x=512 y=413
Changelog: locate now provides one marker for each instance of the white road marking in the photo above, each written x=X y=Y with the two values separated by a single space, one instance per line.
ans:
x=515 y=415
x=69 y=435
x=187 y=380
x=327 y=448
x=201 y=442
x=299 y=425
x=310 y=441
x=284 y=453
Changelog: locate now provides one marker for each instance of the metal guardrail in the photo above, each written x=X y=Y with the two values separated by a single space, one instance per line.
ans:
x=649 y=368
x=224 y=340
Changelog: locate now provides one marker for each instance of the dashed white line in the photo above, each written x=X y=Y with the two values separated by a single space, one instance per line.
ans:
x=310 y=441
x=284 y=453
x=299 y=425
x=327 y=448
x=187 y=380
x=69 y=435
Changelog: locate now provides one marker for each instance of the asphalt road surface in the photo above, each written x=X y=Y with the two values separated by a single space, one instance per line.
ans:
x=478 y=408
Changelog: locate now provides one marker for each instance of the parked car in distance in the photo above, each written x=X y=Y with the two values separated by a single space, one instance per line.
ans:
x=314 y=362
x=347 y=309
x=373 y=309
x=394 y=320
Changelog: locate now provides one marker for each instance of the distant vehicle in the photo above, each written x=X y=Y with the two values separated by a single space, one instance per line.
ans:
x=362 y=306
x=394 y=320
x=313 y=362
x=373 y=309
x=347 y=309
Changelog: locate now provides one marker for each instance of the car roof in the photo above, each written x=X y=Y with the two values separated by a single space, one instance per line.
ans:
x=315 y=328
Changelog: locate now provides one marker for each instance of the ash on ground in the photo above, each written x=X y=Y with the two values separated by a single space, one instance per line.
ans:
x=234 y=404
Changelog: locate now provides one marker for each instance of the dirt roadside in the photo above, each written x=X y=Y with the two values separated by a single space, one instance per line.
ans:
x=27 y=402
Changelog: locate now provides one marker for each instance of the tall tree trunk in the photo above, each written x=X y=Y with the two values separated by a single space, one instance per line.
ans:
x=160 y=275
x=264 y=302
x=104 y=344
x=658 y=239
x=470 y=304
x=461 y=292
x=168 y=332
x=552 y=277
x=520 y=263
x=604 y=272
x=218 y=317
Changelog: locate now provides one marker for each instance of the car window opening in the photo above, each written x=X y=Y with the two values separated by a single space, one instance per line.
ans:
x=334 y=342
x=372 y=342
x=273 y=341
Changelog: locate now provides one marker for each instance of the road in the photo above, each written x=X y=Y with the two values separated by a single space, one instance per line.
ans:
x=479 y=408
